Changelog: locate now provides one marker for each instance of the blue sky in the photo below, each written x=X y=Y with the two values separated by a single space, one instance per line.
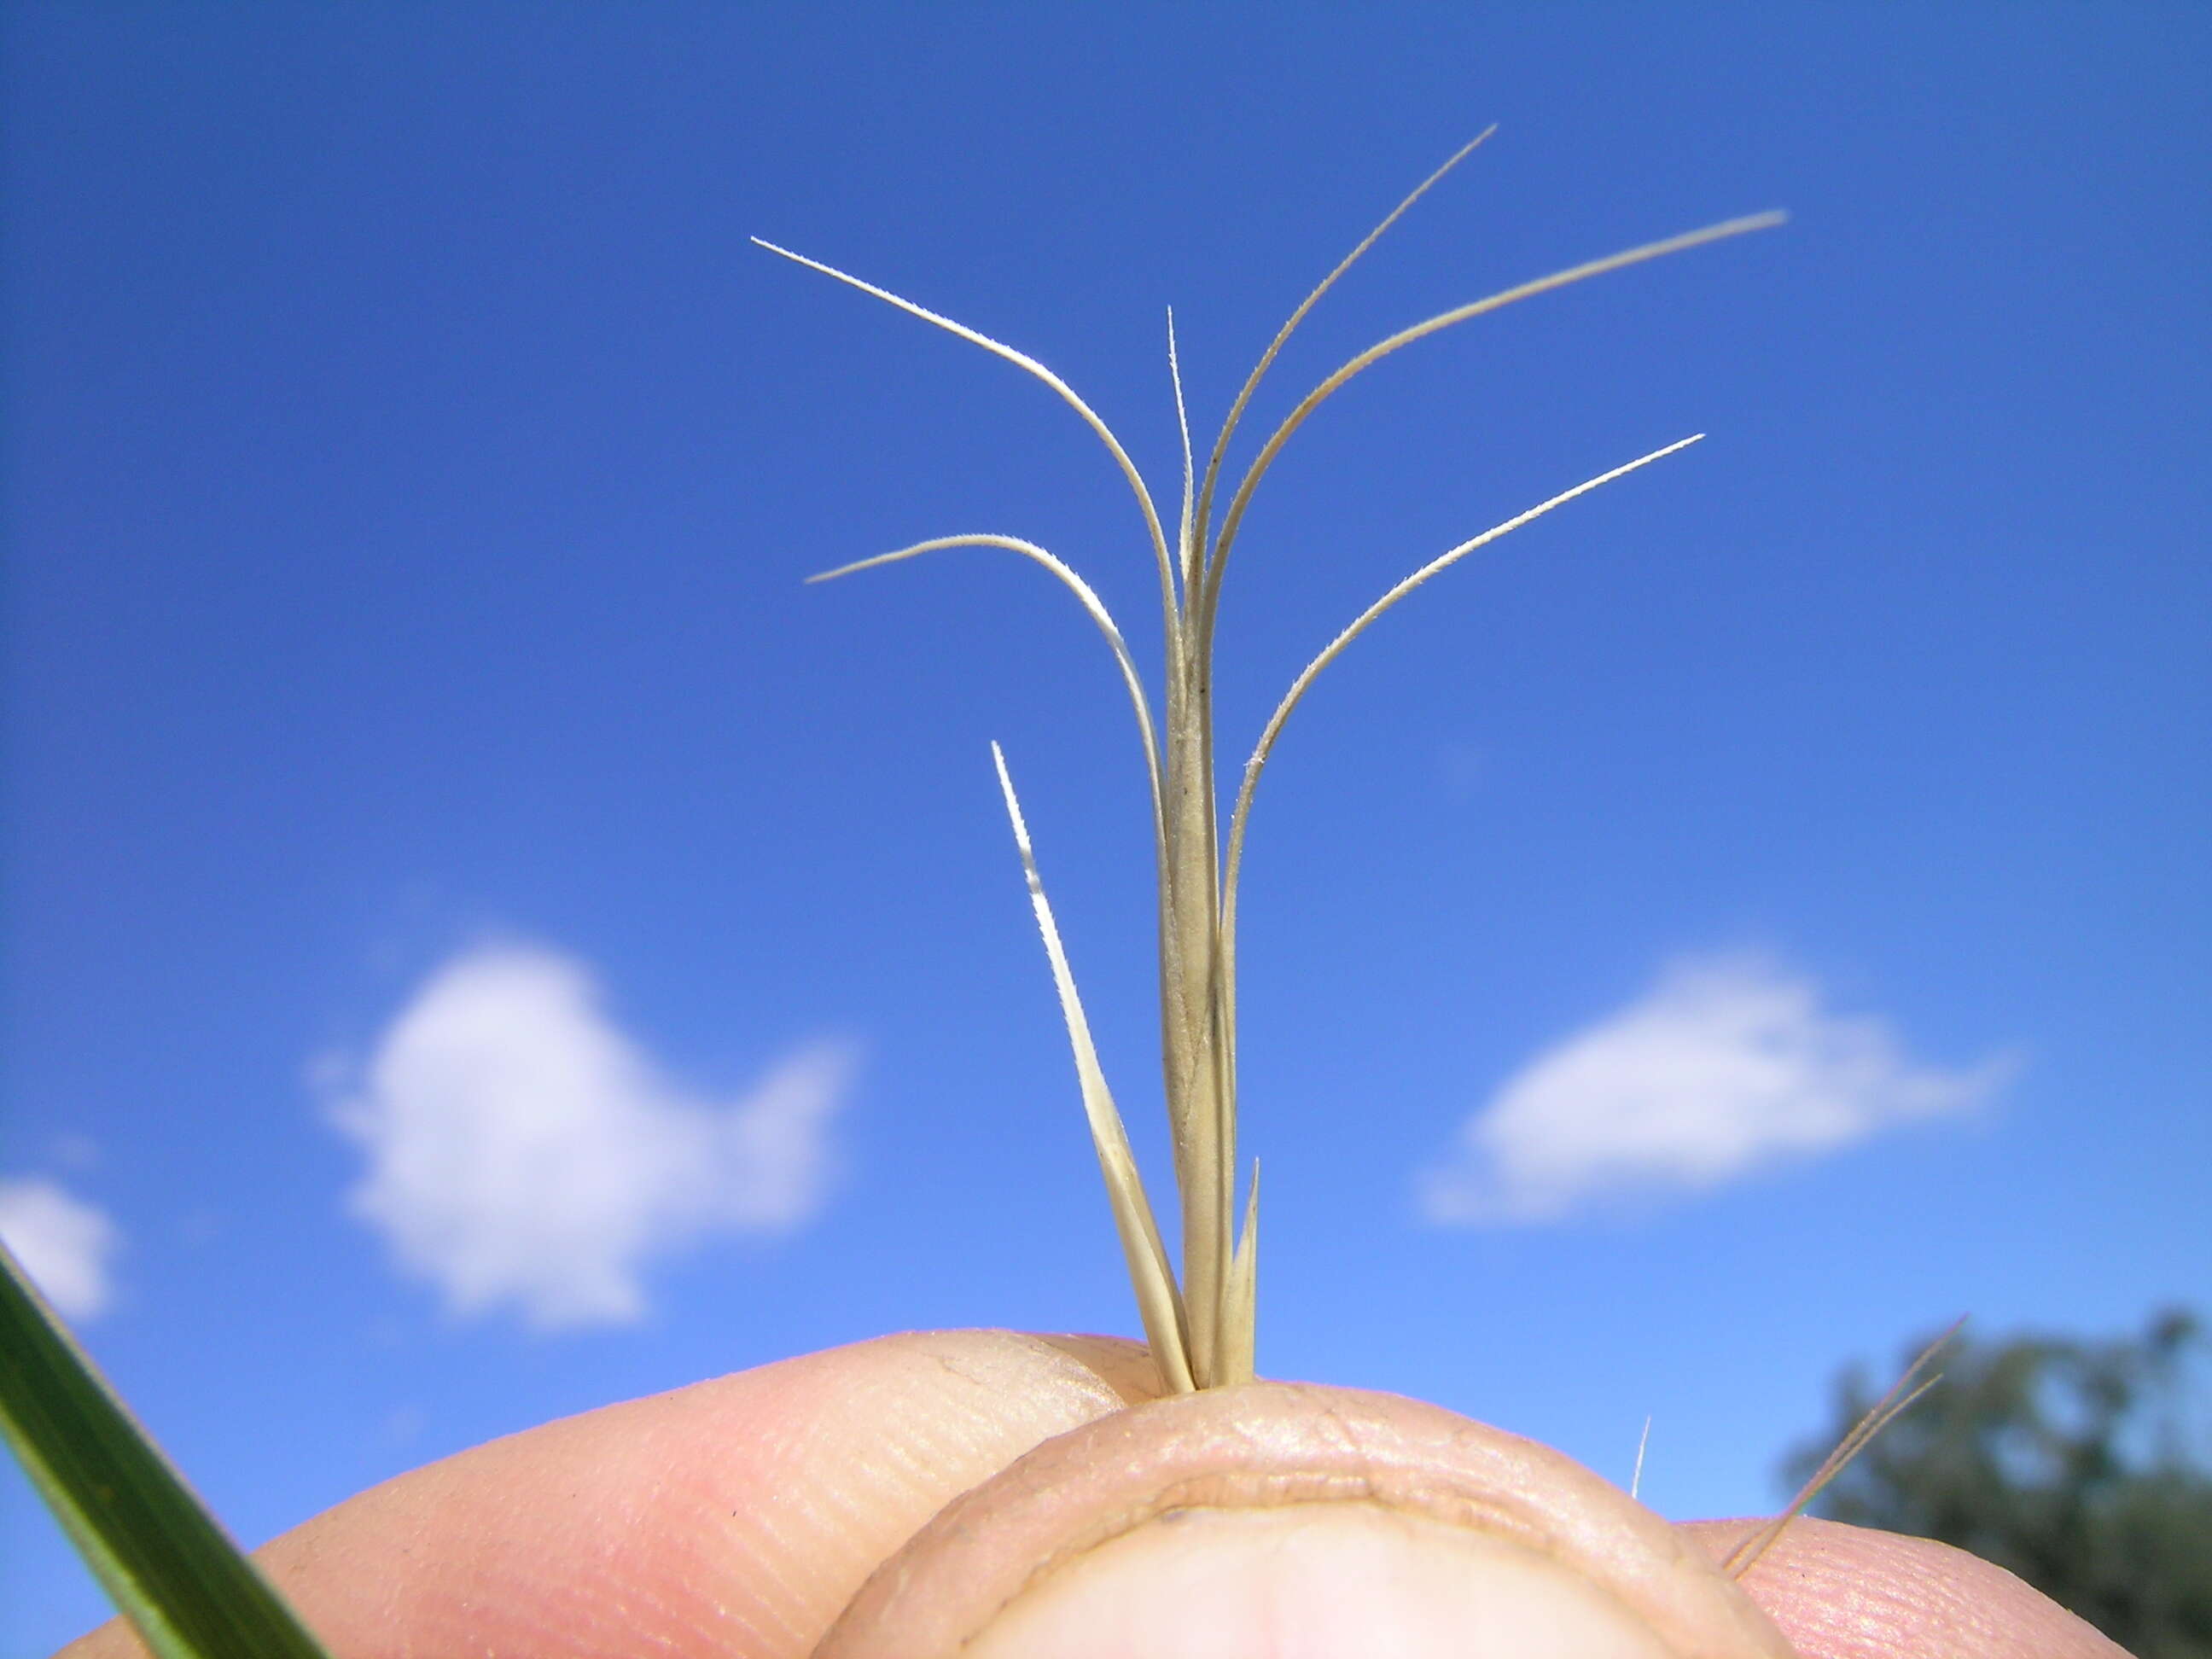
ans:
x=484 y=940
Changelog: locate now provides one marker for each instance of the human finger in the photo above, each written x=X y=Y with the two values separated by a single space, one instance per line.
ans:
x=1842 y=1592
x=1289 y=1521
x=734 y=1517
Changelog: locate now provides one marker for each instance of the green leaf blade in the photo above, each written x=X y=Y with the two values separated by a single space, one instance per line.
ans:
x=165 y=1561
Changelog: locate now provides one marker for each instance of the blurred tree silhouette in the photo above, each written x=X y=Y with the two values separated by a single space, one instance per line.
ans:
x=2073 y=1464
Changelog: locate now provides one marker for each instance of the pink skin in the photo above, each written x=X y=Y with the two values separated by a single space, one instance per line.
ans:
x=747 y=1516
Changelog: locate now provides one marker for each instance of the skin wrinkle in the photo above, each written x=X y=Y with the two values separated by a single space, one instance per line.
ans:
x=949 y=1362
x=1617 y=1606
x=1842 y=1592
x=1454 y=1506
x=915 y=1462
x=736 y=1517
x=1269 y=1446
x=1124 y=1371
x=1288 y=1494
x=1347 y=1437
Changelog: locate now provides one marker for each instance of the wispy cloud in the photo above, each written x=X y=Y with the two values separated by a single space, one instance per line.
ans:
x=523 y=1151
x=1727 y=1066
x=65 y=1243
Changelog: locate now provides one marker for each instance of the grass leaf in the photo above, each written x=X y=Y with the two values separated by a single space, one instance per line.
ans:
x=1209 y=602
x=1240 y=1315
x=1283 y=334
x=163 y=1559
x=1360 y=625
x=1093 y=606
x=1023 y=361
x=1158 y=1302
x=1186 y=532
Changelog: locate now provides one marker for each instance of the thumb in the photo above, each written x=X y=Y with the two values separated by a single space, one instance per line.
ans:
x=1297 y=1522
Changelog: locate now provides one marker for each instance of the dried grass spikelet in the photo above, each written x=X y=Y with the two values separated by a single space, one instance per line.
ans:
x=1916 y=1381
x=1200 y=1329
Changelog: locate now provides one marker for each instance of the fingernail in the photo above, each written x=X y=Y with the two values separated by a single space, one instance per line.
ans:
x=1312 y=1581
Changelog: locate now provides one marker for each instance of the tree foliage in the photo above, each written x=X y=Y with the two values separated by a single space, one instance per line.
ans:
x=2074 y=1464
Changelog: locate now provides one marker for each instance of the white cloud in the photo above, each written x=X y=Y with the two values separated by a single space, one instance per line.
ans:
x=523 y=1150
x=1728 y=1065
x=64 y=1243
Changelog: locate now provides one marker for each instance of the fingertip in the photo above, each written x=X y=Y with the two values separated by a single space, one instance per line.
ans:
x=1845 y=1592
x=1279 y=1518
x=735 y=1514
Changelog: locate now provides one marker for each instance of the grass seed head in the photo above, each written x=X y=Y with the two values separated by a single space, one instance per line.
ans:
x=1200 y=1325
